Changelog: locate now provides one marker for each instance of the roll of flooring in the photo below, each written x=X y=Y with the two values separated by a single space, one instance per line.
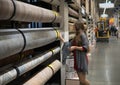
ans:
x=73 y=20
x=14 y=41
x=73 y=12
x=20 y=11
x=8 y=76
x=43 y=76
x=71 y=27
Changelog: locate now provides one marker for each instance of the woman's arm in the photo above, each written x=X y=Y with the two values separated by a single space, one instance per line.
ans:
x=85 y=43
x=79 y=48
x=72 y=48
x=61 y=38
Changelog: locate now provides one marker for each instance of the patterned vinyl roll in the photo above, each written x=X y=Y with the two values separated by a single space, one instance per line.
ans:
x=8 y=76
x=20 y=11
x=13 y=40
x=42 y=77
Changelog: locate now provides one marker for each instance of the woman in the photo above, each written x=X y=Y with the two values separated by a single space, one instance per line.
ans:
x=80 y=47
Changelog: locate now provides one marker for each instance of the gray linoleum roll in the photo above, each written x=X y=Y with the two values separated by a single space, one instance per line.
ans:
x=20 y=11
x=8 y=76
x=12 y=41
x=26 y=66
x=42 y=77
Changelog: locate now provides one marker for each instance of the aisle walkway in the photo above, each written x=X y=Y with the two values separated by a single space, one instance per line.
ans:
x=104 y=66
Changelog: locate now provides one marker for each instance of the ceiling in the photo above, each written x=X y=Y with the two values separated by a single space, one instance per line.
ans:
x=110 y=11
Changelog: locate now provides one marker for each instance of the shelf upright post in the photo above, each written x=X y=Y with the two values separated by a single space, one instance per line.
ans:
x=64 y=30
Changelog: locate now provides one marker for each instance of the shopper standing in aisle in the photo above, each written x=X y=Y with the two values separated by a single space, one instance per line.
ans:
x=80 y=47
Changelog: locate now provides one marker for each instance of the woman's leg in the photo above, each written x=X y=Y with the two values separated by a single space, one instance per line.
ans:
x=117 y=34
x=82 y=78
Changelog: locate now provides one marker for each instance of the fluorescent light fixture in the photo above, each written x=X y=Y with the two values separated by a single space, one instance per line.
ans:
x=106 y=5
x=104 y=15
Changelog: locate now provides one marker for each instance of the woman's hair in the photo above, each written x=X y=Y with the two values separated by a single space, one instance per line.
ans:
x=78 y=26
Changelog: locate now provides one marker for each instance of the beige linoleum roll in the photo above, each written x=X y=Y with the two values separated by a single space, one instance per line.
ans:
x=71 y=27
x=73 y=12
x=20 y=11
x=73 y=20
x=6 y=9
x=55 y=65
x=74 y=6
x=42 y=77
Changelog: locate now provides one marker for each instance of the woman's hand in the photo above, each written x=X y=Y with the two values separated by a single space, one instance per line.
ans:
x=61 y=38
x=72 y=48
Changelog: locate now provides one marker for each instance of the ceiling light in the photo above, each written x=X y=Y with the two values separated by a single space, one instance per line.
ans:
x=106 y=5
x=104 y=15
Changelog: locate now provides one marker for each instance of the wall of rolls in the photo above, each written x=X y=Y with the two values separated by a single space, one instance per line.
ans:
x=24 y=49
x=29 y=31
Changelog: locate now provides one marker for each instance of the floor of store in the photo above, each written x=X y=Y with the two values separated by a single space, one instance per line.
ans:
x=104 y=65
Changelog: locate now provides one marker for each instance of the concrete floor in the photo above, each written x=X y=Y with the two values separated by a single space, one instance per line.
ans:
x=104 y=65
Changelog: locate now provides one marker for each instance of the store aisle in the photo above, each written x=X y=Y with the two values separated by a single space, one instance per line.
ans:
x=104 y=66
